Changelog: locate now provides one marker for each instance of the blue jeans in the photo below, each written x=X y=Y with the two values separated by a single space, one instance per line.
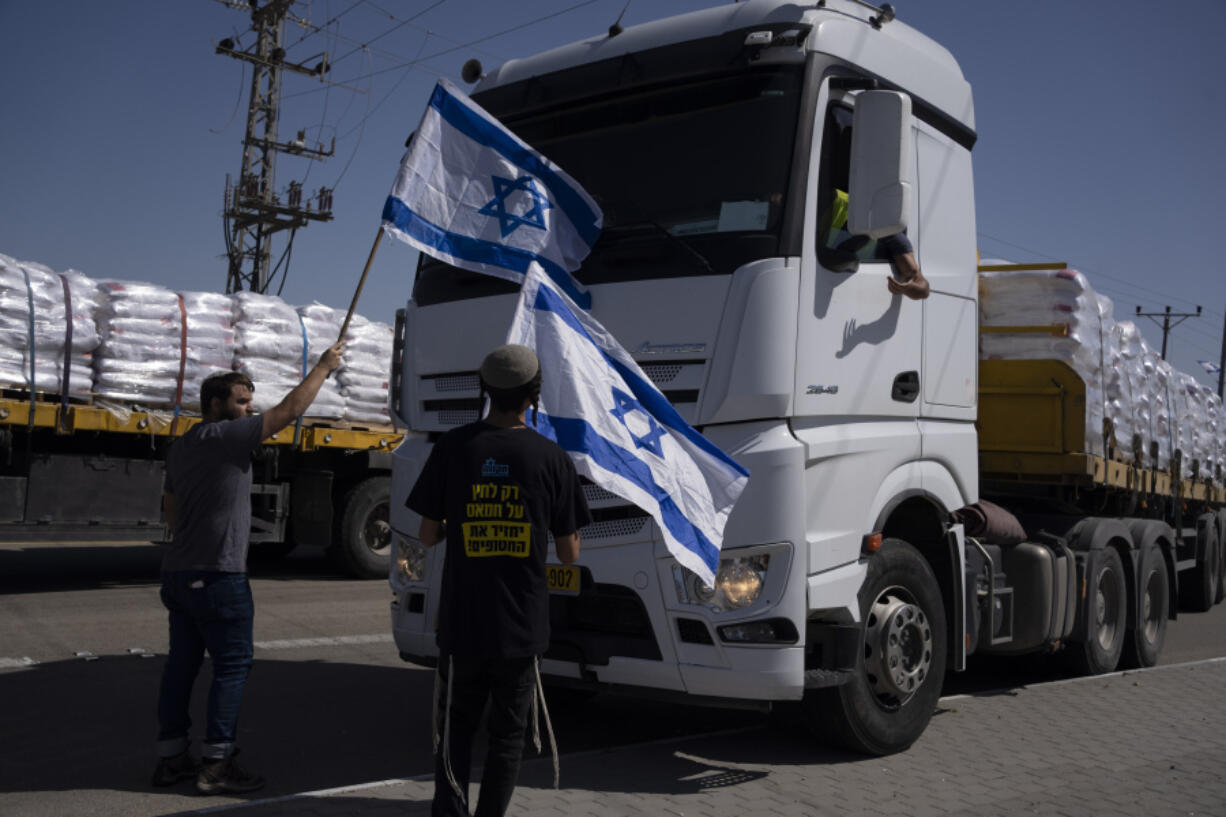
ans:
x=214 y=612
x=508 y=684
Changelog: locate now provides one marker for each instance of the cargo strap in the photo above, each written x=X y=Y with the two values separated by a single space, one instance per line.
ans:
x=306 y=352
x=67 y=344
x=31 y=344
x=174 y=423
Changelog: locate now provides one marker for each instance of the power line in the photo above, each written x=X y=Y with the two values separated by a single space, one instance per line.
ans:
x=338 y=37
x=365 y=117
x=372 y=111
x=1096 y=273
x=242 y=84
x=316 y=29
x=323 y=118
x=382 y=52
x=1119 y=298
x=396 y=27
x=485 y=38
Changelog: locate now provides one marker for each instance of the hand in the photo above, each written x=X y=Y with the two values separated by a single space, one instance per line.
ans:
x=330 y=360
x=907 y=280
x=915 y=288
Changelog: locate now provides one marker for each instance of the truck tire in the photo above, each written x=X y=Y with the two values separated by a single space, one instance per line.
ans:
x=888 y=702
x=1108 y=611
x=364 y=537
x=1143 y=644
x=1198 y=591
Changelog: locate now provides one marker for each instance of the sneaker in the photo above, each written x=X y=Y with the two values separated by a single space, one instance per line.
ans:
x=171 y=770
x=218 y=776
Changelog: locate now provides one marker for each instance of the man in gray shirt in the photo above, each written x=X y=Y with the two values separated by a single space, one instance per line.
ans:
x=204 y=572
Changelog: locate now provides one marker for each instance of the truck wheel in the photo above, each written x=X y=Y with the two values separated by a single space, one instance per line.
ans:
x=1198 y=591
x=365 y=536
x=1143 y=645
x=888 y=702
x=1108 y=610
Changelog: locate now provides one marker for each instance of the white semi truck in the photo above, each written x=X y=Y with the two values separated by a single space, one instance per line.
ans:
x=718 y=145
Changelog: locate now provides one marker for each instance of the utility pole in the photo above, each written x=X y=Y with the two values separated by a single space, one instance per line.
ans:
x=254 y=209
x=1167 y=326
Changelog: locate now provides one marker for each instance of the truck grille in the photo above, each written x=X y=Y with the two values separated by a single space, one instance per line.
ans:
x=603 y=621
x=452 y=399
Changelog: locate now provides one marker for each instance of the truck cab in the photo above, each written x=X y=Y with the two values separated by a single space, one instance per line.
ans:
x=747 y=158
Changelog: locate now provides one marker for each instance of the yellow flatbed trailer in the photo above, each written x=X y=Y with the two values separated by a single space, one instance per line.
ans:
x=315 y=432
x=1032 y=429
x=94 y=471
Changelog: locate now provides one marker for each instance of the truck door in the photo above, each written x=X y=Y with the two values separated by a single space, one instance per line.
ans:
x=859 y=349
x=945 y=247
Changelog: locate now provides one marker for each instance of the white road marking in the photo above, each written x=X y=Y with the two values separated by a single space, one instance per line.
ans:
x=13 y=663
x=324 y=641
x=280 y=644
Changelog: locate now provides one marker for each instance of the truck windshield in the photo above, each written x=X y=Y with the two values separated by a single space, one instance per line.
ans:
x=691 y=176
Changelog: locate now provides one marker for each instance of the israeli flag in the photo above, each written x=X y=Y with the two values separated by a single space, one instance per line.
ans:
x=1209 y=366
x=622 y=433
x=470 y=193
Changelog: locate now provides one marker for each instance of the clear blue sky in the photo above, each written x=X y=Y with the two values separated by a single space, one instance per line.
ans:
x=1101 y=131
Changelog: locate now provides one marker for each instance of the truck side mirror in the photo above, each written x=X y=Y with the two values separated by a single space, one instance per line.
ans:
x=882 y=147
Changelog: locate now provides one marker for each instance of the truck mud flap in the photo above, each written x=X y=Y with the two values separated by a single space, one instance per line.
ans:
x=311 y=508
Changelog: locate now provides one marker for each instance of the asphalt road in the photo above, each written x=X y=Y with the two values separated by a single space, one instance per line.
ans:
x=329 y=702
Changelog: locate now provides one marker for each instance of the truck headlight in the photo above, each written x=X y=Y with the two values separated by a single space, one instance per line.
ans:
x=409 y=564
x=738 y=583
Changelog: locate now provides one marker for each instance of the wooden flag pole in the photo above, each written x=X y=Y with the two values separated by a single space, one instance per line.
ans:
x=357 y=293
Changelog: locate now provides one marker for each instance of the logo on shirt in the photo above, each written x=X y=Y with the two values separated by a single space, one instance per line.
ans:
x=491 y=468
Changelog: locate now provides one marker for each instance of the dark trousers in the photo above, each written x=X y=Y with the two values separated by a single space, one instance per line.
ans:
x=213 y=612
x=507 y=684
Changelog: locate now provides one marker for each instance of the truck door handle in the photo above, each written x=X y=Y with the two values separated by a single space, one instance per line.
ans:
x=906 y=387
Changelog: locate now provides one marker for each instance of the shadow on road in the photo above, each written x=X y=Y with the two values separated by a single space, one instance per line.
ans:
x=76 y=725
x=53 y=568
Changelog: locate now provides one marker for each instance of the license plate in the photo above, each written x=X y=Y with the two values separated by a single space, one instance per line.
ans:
x=562 y=579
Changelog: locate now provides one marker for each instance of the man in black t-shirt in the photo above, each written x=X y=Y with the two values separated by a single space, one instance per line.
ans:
x=501 y=488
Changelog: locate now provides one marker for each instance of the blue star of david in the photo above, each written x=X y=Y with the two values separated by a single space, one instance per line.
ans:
x=628 y=405
x=508 y=222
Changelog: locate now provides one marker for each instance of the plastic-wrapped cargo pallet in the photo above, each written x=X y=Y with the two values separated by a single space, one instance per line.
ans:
x=367 y=367
x=322 y=326
x=143 y=344
x=158 y=345
x=275 y=348
x=1126 y=381
x=38 y=338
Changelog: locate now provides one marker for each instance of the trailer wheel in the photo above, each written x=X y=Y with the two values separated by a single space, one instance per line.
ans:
x=365 y=536
x=1108 y=610
x=1200 y=589
x=1143 y=645
x=885 y=707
